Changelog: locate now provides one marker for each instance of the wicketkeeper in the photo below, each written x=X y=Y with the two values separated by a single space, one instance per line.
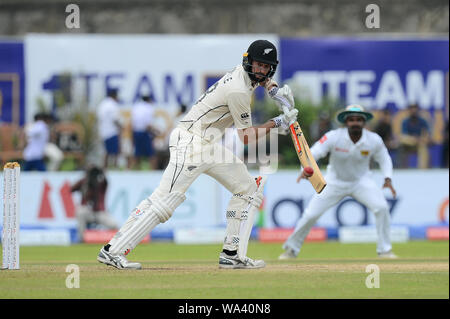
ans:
x=195 y=149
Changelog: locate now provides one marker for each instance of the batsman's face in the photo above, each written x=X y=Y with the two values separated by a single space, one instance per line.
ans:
x=355 y=124
x=260 y=69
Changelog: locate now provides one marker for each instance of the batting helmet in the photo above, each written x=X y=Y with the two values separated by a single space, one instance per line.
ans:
x=261 y=51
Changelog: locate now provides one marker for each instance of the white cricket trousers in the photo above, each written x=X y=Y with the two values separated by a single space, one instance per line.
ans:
x=367 y=192
x=190 y=156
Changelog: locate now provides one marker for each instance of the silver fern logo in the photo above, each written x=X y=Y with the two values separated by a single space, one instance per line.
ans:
x=267 y=51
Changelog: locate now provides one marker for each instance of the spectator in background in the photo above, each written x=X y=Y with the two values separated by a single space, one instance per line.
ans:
x=110 y=125
x=414 y=138
x=52 y=152
x=37 y=136
x=142 y=118
x=384 y=129
x=93 y=188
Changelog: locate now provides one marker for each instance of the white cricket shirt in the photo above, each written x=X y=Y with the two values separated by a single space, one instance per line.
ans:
x=108 y=113
x=141 y=116
x=225 y=103
x=37 y=135
x=349 y=162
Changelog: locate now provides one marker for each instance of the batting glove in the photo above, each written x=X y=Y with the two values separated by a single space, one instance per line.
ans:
x=284 y=120
x=283 y=96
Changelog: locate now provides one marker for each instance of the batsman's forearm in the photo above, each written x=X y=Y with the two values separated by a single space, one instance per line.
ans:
x=251 y=134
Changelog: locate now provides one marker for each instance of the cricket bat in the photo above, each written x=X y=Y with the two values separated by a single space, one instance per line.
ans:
x=306 y=158
x=301 y=146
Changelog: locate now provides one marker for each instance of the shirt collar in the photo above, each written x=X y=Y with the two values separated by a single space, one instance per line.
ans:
x=361 y=139
x=247 y=80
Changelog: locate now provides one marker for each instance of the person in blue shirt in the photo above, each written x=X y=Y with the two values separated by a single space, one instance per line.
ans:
x=415 y=137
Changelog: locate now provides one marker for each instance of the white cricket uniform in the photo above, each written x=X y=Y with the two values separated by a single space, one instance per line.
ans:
x=232 y=141
x=142 y=114
x=195 y=148
x=37 y=135
x=199 y=133
x=108 y=113
x=348 y=174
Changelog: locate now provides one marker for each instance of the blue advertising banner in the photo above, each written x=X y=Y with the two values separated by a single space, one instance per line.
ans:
x=12 y=83
x=374 y=73
x=377 y=74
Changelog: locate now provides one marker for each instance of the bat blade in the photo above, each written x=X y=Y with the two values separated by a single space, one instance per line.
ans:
x=306 y=158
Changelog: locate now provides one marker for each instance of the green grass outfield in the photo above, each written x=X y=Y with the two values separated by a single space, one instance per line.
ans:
x=322 y=270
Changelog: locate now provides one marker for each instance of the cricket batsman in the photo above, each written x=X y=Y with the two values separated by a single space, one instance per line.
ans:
x=351 y=149
x=195 y=148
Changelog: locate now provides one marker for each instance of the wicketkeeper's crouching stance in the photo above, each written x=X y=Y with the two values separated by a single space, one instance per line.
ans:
x=193 y=151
